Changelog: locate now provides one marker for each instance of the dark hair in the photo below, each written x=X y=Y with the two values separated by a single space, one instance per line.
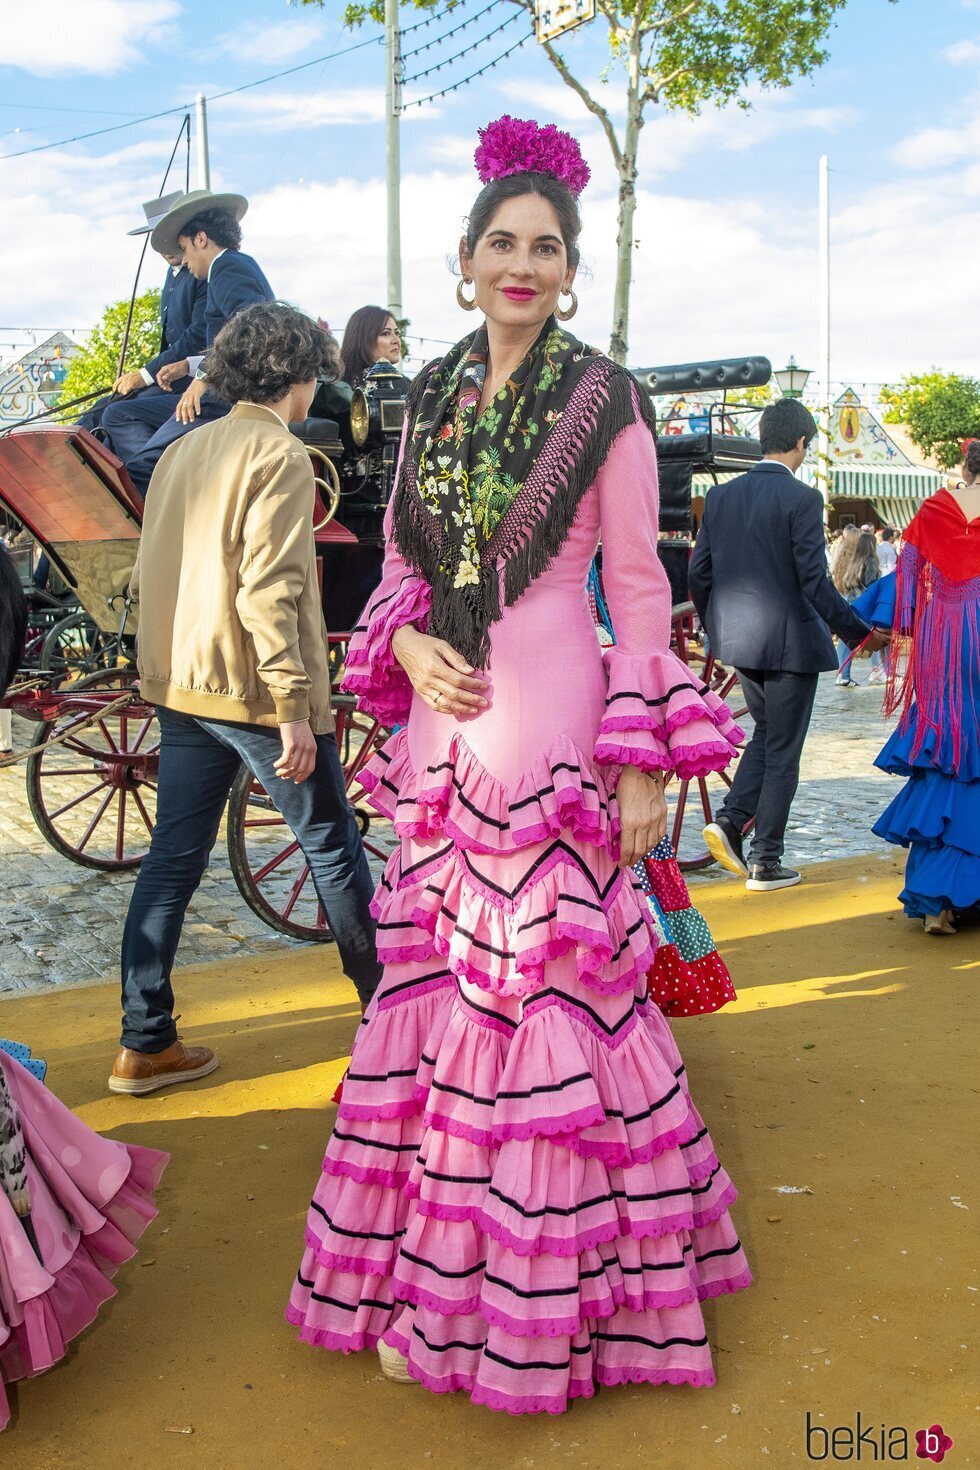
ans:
x=267 y=349
x=783 y=424
x=515 y=186
x=971 y=459
x=357 y=352
x=887 y=534
x=13 y=620
x=220 y=226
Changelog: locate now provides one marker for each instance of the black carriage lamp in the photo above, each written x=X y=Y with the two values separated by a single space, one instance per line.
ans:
x=792 y=379
x=49 y=389
x=377 y=411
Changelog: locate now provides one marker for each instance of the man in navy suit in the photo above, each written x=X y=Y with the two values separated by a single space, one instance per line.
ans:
x=205 y=228
x=759 y=581
x=182 y=331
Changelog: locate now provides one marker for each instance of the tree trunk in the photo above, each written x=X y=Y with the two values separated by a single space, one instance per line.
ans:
x=619 y=341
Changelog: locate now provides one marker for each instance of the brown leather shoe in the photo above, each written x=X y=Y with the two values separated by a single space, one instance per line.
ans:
x=137 y=1072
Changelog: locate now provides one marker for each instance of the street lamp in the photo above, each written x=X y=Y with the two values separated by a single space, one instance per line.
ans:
x=791 y=379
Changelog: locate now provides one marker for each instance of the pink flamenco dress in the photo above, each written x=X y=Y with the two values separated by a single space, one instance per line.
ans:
x=519 y=1193
x=72 y=1206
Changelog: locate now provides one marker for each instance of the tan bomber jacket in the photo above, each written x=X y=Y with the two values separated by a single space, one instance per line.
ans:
x=231 y=623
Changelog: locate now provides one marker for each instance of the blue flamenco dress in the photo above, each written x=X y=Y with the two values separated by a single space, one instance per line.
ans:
x=934 y=679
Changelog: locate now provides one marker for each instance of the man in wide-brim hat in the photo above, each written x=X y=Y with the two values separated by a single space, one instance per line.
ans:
x=205 y=229
x=182 y=329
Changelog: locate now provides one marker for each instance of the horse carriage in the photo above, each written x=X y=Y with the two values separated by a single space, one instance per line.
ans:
x=92 y=766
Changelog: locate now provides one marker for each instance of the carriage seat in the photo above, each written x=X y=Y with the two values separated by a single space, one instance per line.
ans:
x=316 y=431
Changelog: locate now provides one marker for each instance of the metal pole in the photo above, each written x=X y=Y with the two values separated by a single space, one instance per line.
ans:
x=203 y=161
x=823 y=437
x=393 y=67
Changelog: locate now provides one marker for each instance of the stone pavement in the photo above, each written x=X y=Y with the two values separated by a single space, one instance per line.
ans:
x=61 y=924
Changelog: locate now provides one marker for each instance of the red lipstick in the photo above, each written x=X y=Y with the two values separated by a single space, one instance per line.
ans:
x=519 y=293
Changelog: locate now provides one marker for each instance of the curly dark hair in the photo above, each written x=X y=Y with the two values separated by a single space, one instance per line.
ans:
x=267 y=349
x=220 y=226
x=971 y=458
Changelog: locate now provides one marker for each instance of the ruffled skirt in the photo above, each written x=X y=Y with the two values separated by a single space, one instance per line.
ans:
x=519 y=1193
x=91 y=1199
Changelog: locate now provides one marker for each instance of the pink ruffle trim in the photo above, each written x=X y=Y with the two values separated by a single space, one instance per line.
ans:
x=486 y=938
x=372 y=672
x=560 y=792
x=651 y=699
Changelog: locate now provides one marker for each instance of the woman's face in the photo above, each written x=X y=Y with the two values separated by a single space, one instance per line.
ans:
x=519 y=265
x=388 y=346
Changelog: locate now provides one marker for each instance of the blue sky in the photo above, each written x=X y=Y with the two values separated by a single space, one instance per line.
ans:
x=727 y=217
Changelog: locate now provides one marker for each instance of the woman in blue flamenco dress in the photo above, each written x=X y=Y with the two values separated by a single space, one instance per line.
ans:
x=933 y=601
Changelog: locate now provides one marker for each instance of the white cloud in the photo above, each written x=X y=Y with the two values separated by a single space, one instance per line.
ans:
x=284 y=111
x=938 y=148
x=962 y=53
x=291 y=37
x=100 y=37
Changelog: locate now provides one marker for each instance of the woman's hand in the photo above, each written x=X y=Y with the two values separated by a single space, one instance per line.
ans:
x=438 y=673
x=642 y=813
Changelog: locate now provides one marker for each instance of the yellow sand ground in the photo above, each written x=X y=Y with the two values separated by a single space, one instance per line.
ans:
x=846 y=1069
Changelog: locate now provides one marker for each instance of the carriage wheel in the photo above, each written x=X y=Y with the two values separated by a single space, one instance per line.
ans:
x=272 y=874
x=76 y=646
x=693 y=803
x=93 y=796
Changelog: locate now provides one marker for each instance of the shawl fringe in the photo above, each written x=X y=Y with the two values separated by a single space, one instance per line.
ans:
x=606 y=400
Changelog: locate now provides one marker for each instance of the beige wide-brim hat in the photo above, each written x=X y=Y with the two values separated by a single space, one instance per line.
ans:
x=164 y=235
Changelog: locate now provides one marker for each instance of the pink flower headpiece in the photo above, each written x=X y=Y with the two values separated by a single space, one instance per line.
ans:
x=514 y=145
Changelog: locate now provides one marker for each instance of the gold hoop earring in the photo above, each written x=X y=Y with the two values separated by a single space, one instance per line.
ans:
x=565 y=314
x=464 y=301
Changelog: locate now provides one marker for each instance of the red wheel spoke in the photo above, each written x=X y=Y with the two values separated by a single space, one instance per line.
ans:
x=58 y=772
x=295 y=891
x=109 y=740
x=147 y=819
x=275 y=862
x=142 y=735
x=264 y=822
x=76 y=800
x=121 y=826
x=96 y=819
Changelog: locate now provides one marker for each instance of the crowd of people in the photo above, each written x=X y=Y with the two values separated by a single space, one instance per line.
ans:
x=520 y=1199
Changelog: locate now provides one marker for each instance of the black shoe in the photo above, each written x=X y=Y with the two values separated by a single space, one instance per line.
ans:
x=766 y=877
x=724 y=842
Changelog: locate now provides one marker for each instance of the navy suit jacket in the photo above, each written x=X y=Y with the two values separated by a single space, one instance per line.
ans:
x=759 y=576
x=183 y=302
x=236 y=281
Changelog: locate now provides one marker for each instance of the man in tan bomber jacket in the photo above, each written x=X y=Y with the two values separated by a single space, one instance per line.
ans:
x=233 y=652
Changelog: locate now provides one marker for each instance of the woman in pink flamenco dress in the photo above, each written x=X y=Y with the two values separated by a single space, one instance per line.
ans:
x=72 y=1206
x=520 y=1199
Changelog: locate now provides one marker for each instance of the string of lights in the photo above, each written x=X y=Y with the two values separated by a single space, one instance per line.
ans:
x=407 y=55
x=465 y=81
x=448 y=61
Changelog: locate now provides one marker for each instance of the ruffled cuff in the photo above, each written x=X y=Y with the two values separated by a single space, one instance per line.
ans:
x=371 y=671
x=659 y=717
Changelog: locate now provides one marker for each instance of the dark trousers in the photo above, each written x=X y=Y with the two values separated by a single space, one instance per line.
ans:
x=199 y=760
x=768 y=773
x=143 y=463
x=130 y=423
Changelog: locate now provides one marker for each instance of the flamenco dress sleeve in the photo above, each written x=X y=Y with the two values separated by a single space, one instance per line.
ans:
x=659 y=716
x=372 y=672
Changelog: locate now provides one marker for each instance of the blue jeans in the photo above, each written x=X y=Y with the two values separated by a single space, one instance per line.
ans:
x=199 y=760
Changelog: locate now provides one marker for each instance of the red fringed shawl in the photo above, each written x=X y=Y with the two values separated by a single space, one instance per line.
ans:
x=937 y=601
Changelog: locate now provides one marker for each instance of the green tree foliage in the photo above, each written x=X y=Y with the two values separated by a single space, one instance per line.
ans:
x=97 y=364
x=678 y=54
x=939 y=409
